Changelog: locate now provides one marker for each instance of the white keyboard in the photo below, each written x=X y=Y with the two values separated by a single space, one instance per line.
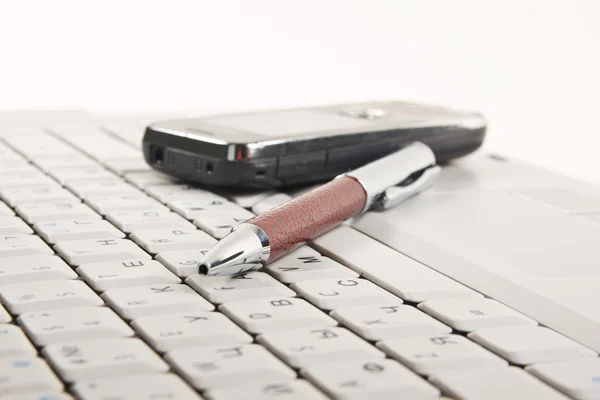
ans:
x=100 y=298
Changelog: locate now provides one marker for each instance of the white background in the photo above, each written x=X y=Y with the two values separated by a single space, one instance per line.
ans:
x=532 y=67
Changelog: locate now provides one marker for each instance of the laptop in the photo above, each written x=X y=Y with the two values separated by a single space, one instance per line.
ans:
x=485 y=287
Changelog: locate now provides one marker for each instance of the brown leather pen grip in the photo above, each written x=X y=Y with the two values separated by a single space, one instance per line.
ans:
x=298 y=221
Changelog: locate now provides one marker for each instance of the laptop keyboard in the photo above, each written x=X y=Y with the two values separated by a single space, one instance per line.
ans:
x=101 y=300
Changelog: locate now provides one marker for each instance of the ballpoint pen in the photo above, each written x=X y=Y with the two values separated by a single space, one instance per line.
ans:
x=380 y=184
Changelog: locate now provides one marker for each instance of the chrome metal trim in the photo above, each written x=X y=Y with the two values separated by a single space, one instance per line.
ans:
x=246 y=248
x=398 y=176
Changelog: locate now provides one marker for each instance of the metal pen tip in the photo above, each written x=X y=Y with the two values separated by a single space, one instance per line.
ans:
x=246 y=248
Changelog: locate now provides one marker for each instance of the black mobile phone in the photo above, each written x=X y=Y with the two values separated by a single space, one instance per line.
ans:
x=298 y=146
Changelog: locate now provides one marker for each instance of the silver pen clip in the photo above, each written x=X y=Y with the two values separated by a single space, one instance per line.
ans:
x=398 y=176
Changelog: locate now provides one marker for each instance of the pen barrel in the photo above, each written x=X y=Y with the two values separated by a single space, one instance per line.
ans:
x=305 y=218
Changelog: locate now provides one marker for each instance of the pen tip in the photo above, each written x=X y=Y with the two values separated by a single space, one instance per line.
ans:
x=244 y=249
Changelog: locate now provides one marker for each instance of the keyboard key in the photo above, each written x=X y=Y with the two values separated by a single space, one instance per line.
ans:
x=131 y=221
x=24 y=179
x=103 y=147
x=108 y=275
x=270 y=202
x=292 y=390
x=142 y=387
x=143 y=179
x=73 y=161
x=106 y=358
x=36 y=213
x=41 y=145
x=330 y=294
x=219 y=227
x=7 y=153
x=33 y=268
x=379 y=379
x=530 y=344
x=76 y=229
x=179 y=192
x=4 y=315
x=135 y=302
x=69 y=174
x=273 y=314
x=158 y=240
x=73 y=324
x=251 y=285
x=47 y=295
x=5 y=210
x=22 y=245
x=105 y=204
x=193 y=329
x=182 y=263
x=303 y=251
x=113 y=186
x=218 y=367
x=211 y=207
x=407 y=278
x=579 y=379
x=122 y=165
x=297 y=268
x=51 y=193
x=25 y=375
x=247 y=200
x=429 y=355
x=78 y=252
x=302 y=348
x=14 y=343
x=386 y=321
x=471 y=314
x=13 y=226
x=494 y=384
x=14 y=165
x=42 y=395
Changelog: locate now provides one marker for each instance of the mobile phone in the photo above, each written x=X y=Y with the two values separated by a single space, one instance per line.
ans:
x=304 y=145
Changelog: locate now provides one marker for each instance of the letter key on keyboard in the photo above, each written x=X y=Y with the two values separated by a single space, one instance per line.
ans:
x=330 y=294
x=14 y=343
x=76 y=229
x=292 y=390
x=77 y=252
x=429 y=355
x=217 y=367
x=163 y=298
x=106 y=358
x=192 y=329
x=47 y=295
x=302 y=267
x=22 y=245
x=183 y=263
x=250 y=285
x=73 y=324
x=386 y=321
x=471 y=314
x=26 y=374
x=158 y=240
x=151 y=387
x=377 y=379
x=103 y=276
x=302 y=348
x=276 y=313
x=34 y=268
